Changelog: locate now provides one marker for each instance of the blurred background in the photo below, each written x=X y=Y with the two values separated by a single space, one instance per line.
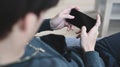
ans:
x=109 y=11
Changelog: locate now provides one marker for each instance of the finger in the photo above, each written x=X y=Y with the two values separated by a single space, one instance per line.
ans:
x=66 y=24
x=98 y=23
x=78 y=32
x=68 y=28
x=83 y=31
x=67 y=16
x=71 y=28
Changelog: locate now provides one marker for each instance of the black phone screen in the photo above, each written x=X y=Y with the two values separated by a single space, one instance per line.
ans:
x=81 y=19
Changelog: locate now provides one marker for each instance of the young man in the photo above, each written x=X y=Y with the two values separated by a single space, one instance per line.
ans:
x=19 y=21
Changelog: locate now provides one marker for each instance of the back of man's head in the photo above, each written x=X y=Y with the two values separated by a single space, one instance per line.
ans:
x=12 y=10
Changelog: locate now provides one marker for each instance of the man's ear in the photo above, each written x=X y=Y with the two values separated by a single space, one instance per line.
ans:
x=28 y=21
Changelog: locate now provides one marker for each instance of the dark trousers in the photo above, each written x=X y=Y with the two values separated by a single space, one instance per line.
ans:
x=109 y=49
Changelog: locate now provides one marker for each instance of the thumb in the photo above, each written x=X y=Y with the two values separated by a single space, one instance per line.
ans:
x=83 y=31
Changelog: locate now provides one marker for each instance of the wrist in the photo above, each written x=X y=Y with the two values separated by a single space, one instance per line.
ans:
x=88 y=49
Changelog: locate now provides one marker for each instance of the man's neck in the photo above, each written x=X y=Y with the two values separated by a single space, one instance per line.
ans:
x=10 y=52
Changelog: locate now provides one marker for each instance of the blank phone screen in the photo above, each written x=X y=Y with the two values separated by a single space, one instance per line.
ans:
x=81 y=19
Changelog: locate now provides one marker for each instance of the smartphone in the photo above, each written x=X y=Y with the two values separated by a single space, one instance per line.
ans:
x=81 y=19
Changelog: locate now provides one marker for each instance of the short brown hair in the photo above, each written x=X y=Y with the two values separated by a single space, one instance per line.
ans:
x=12 y=10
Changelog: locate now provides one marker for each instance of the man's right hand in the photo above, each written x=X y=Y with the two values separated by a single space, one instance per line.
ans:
x=88 y=40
